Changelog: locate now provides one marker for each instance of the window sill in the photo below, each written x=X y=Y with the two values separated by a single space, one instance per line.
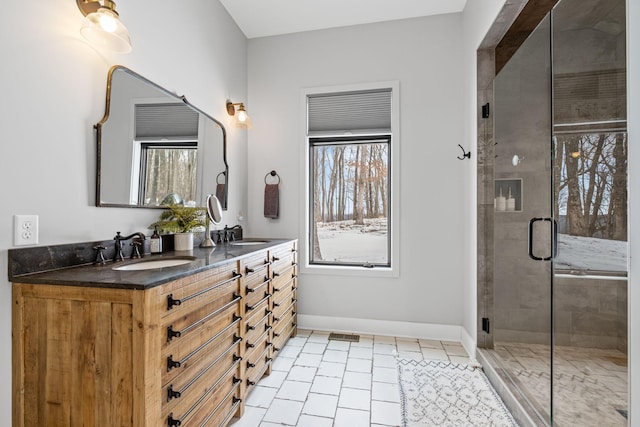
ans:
x=349 y=271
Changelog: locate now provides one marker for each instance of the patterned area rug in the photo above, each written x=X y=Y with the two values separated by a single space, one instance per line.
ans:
x=438 y=393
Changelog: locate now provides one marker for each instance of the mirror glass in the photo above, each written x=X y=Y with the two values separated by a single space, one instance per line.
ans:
x=214 y=209
x=156 y=149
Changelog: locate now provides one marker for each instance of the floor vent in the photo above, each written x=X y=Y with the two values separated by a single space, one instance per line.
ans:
x=344 y=337
x=623 y=412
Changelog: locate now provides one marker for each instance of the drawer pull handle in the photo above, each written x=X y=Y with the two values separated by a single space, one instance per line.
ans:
x=275 y=335
x=236 y=400
x=236 y=357
x=264 y=282
x=248 y=270
x=249 y=382
x=172 y=363
x=276 y=304
x=253 y=307
x=250 y=328
x=251 y=365
x=249 y=345
x=171 y=301
x=275 y=274
x=276 y=319
x=275 y=258
x=268 y=312
x=236 y=380
x=172 y=422
x=268 y=359
x=171 y=333
x=267 y=328
x=276 y=349
x=172 y=394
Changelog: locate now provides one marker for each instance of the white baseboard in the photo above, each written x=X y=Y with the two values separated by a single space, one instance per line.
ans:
x=430 y=331
x=468 y=342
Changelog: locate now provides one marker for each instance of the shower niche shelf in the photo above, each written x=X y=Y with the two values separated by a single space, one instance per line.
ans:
x=508 y=195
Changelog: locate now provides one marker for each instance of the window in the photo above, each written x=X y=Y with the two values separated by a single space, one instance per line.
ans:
x=167 y=169
x=591 y=201
x=350 y=152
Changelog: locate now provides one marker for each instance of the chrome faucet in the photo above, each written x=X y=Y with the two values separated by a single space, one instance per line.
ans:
x=119 y=256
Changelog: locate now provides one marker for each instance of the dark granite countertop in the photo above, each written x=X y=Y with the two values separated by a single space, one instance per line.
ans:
x=88 y=274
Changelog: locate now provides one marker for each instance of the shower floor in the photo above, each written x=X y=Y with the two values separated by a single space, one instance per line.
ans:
x=590 y=384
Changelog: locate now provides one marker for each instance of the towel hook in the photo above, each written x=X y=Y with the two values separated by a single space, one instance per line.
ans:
x=272 y=173
x=464 y=153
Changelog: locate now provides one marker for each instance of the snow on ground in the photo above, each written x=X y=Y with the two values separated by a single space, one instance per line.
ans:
x=586 y=253
x=347 y=242
x=344 y=241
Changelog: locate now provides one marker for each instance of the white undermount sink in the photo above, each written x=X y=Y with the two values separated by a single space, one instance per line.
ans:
x=152 y=264
x=248 y=242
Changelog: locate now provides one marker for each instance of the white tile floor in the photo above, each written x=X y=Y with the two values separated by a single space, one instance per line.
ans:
x=316 y=382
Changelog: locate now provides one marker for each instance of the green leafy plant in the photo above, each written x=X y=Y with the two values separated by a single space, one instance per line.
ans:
x=181 y=219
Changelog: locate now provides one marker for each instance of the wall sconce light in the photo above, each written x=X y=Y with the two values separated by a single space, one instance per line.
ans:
x=102 y=26
x=240 y=117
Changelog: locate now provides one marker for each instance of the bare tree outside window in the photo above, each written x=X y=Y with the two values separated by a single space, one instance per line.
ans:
x=168 y=170
x=590 y=172
x=350 y=200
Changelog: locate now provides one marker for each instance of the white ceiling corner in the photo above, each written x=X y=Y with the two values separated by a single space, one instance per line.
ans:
x=261 y=18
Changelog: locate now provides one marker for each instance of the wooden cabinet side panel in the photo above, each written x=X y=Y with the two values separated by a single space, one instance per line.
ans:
x=73 y=361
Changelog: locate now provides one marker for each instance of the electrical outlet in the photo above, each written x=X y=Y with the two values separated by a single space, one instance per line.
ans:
x=25 y=230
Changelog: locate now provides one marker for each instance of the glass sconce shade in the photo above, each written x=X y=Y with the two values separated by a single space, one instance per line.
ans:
x=104 y=29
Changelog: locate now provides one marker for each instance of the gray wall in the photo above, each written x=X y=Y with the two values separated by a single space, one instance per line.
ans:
x=432 y=212
x=54 y=86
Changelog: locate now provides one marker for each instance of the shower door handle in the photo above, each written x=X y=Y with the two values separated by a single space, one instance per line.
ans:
x=554 y=243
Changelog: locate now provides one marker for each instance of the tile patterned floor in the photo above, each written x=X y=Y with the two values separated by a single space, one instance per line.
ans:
x=590 y=384
x=317 y=382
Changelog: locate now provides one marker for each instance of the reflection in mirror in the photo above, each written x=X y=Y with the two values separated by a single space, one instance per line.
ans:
x=155 y=148
x=214 y=210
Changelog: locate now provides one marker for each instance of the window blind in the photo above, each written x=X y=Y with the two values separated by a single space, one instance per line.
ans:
x=355 y=112
x=165 y=120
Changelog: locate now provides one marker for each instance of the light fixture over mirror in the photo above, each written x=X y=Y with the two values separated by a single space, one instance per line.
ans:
x=240 y=117
x=102 y=26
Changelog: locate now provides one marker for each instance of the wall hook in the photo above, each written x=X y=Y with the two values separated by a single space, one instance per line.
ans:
x=464 y=153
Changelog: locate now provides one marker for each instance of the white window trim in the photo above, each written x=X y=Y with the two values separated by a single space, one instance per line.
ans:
x=354 y=271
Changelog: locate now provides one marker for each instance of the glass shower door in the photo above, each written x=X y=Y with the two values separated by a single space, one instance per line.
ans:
x=590 y=203
x=523 y=220
x=560 y=216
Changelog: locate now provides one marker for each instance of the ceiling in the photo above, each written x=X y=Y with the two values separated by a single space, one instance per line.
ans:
x=260 y=18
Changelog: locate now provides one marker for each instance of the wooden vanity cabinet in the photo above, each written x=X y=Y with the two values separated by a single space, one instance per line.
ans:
x=184 y=353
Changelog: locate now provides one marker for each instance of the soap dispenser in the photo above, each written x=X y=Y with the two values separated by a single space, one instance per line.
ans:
x=155 y=244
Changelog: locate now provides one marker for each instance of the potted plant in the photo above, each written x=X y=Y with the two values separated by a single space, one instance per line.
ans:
x=182 y=221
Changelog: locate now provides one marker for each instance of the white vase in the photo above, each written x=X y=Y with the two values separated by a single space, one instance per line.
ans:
x=183 y=241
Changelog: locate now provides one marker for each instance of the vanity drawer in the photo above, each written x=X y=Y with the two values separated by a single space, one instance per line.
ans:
x=261 y=306
x=282 y=257
x=280 y=308
x=254 y=297
x=214 y=405
x=191 y=292
x=256 y=325
x=194 y=329
x=257 y=364
x=255 y=266
x=190 y=357
x=186 y=389
x=288 y=330
x=283 y=289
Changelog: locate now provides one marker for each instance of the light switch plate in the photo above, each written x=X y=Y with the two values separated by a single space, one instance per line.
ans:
x=25 y=230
